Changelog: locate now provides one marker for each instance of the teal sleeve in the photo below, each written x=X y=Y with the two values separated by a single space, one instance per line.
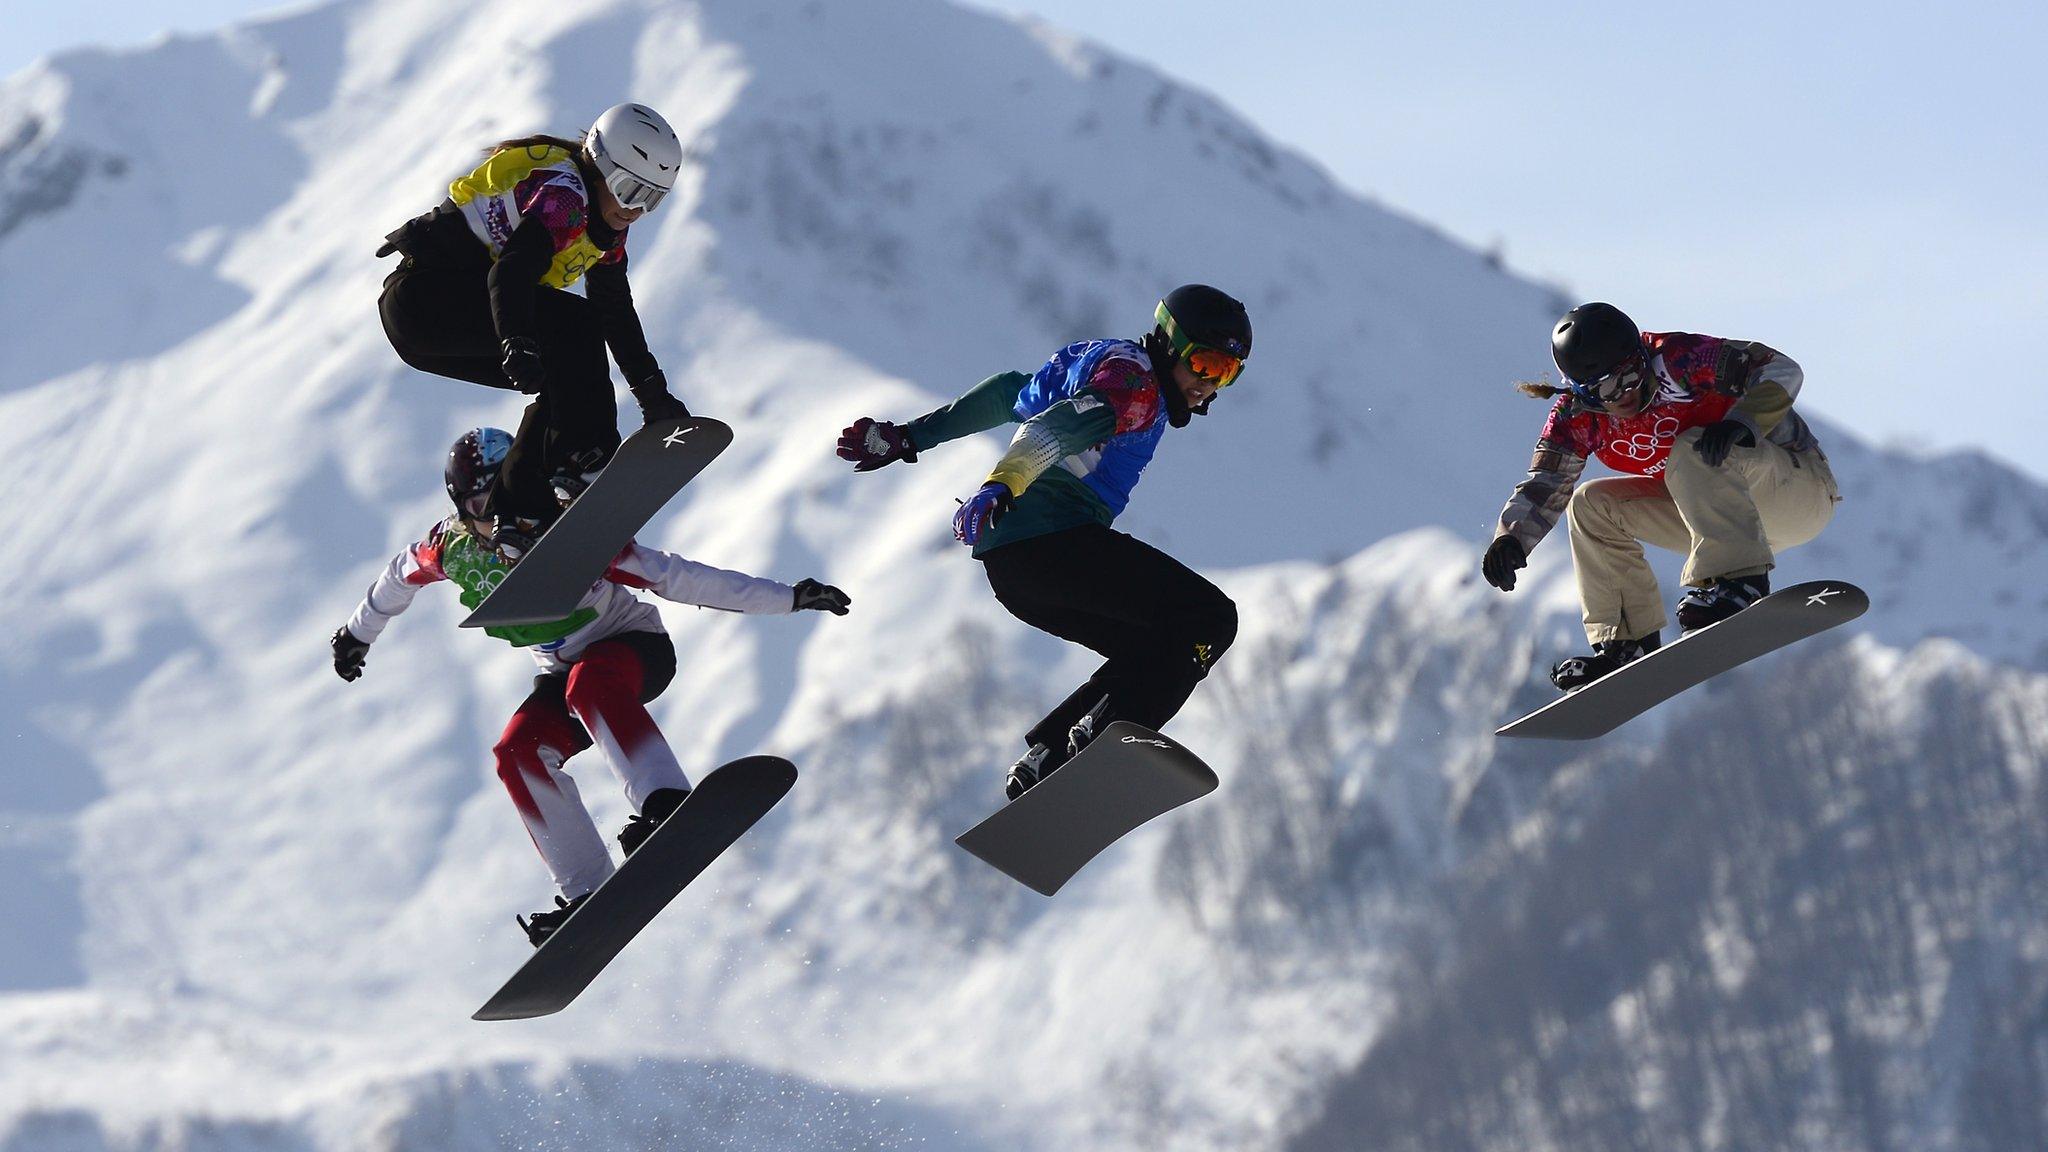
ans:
x=987 y=405
x=1066 y=428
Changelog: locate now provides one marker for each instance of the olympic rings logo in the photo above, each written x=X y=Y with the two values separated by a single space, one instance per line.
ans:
x=1644 y=447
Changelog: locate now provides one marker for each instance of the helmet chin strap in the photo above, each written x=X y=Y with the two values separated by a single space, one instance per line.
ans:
x=1160 y=350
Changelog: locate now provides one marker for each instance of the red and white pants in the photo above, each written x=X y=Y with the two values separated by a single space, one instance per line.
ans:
x=603 y=690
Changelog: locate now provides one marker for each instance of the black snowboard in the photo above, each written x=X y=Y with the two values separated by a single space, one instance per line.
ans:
x=1128 y=775
x=1783 y=617
x=646 y=472
x=725 y=804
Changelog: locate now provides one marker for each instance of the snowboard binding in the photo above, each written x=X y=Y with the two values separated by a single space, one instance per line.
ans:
x=1029 y=769
x=1717 y=600
x=542 y=925
x=1574 y=673
x=661 y=804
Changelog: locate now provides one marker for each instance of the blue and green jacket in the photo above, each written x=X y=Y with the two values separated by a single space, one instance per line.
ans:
x=1091 y=419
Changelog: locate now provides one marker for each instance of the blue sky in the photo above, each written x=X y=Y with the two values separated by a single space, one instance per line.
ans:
x=1858 y=185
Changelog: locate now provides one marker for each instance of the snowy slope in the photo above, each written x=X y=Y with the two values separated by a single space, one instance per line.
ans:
x=256 y=897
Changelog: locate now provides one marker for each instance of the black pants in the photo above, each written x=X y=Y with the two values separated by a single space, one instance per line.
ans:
x=439 y=321
x=1158 y=624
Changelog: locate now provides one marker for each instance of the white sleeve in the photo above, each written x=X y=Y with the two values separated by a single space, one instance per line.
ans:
x=401 y=580
x=672 y=577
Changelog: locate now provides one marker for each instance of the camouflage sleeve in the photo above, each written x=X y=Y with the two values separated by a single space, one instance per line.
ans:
x=1767 y=380
x=1539 y=501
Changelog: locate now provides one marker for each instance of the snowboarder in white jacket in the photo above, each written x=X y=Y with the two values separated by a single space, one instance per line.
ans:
x=599 y=668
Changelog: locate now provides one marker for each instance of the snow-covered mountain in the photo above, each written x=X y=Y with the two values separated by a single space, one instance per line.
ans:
x=259 y=903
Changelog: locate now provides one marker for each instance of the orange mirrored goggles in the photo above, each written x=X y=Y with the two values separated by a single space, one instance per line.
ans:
x=1214 y=365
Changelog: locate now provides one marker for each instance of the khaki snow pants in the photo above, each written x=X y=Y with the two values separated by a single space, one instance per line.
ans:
x=1727 y=521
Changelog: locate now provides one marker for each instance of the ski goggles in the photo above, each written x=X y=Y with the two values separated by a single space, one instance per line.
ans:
x=629 y=190
x=1216 y=365
x=633 y=192
x=1604 y=390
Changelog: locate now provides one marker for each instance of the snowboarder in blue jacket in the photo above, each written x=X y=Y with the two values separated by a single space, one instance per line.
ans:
x=1090 y=420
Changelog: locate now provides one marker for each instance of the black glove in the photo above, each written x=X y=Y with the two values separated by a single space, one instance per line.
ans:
x=822 y=597
x=1504 y=557
x=1717 y=439
x=348 y=653
x=871 y=443
x=656 y=402
x=522 y=364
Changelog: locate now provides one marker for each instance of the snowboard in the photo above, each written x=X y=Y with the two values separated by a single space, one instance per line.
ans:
x=1127 y=775
x=649 y=468
x=717 y=813
x=1781 y=618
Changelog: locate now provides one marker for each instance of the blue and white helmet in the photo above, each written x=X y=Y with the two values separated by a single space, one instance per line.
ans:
x=636 y=154
x=473 y=468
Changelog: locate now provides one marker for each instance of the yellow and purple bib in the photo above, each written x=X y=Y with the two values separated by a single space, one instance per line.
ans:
x=536 y=181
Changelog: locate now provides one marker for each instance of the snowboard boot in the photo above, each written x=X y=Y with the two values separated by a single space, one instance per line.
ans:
x=661 y=804
x=1084 y=730
x=542 y=925
x=1034 y=766
x=1719 y=599
x=1578 y=671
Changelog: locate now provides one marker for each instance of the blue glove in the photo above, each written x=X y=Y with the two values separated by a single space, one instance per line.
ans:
x=983 y=510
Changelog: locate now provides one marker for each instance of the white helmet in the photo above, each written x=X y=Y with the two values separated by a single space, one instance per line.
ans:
x=636 y=154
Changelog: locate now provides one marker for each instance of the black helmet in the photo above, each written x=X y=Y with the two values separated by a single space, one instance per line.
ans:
x=1593 y=340
x=473 y=467
x=1208 y=329
x=1198 y=314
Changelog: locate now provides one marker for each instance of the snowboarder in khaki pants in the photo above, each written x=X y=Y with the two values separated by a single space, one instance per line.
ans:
x=1721 y=469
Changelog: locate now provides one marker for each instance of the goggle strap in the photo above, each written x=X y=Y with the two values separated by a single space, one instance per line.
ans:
x=1174 y=338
